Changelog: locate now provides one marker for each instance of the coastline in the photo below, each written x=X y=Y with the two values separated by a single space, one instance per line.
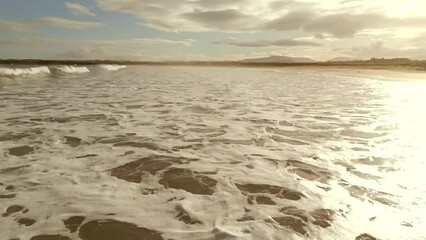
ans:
x=415 y=70
x=388 y=72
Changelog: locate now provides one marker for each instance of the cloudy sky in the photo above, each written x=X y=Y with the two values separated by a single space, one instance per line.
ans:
x=212 y=29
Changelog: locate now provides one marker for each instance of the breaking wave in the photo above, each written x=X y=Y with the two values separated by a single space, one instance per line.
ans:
x=23 y=71
x=71 y=69
x=112 y=67
x=64 y=69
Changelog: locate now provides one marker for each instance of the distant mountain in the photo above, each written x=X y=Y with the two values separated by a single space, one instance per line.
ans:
x=341 y=59
x=279 y=59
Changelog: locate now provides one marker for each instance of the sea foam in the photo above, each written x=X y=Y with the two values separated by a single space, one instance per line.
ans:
x=112 y=67
x=71 y=69
x=23 y=71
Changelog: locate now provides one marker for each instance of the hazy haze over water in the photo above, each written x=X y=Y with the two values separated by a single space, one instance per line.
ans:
x=210 y=153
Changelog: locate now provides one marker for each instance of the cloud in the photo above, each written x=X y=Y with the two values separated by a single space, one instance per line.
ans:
x=15 y=26
x=83 y=53
x=229 y=19
x=290 y=21
x=318 y=17
x=340 y=25
x=419 y=40
x=65 y=23
x=78 y=9
x=379 y=49
x=96 y=49
x=291 y=5
x=345 y=25
x=269 y=43
x=185 y=15
x=77 y=43
x=28 y=26
x=152 y=41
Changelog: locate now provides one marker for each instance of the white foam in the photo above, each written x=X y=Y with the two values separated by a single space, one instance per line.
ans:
x=72 y=69
x=112 y=67
x=23 y=71
x=240 y=126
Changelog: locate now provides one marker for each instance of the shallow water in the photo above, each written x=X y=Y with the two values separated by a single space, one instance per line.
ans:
x=211 y=153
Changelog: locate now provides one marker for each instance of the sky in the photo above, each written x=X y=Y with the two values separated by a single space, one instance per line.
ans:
x=157 y=30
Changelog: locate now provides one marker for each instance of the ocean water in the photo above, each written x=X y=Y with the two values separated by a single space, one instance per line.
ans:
x=110 y=153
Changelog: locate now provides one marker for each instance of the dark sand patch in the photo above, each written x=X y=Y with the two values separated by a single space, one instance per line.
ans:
x=358 y=149
x=12 y=209
x=288 y=140
x=200 y=110
x=87 y=156
x=360 y=134
x=364 y=193
x=216 y=134
x=12 y=195
x=264 y=200
x=21 y=151
x=196 y=146
x=38 y=131
x=292 y=223
x=202 y=130
x=309 y=171
x=13 y=137
x=205 y=172
x=247 y=216
x=295 y=212
x=128 y=153
x=72 y=141
x=134 y=106
x=111 y=140
x=185 y=217
x=365 y=236
x=352 y=169
x=133 y=171
x=192 y=140
x=298 y=219
x=10 y=188
x=115 y=230
x=52 y=119
x=280 y=192
x=323 y=217
x=148 y=191
x=93 y=117
x=256 y=120
x=73 y=223
x=147 y=145
x=231 y=141
x=26 y=221
x=185 y=179
x=301 y=135
x=50 y=237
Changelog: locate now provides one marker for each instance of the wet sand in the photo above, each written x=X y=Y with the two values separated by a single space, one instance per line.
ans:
x=212 y=153
x=383 y=73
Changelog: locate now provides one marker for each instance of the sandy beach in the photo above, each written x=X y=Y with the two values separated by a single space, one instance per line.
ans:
x=191 y=152
x=385 y=73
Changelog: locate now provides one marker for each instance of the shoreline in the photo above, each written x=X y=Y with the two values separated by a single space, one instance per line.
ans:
x=412 y=71
x=388 y=73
